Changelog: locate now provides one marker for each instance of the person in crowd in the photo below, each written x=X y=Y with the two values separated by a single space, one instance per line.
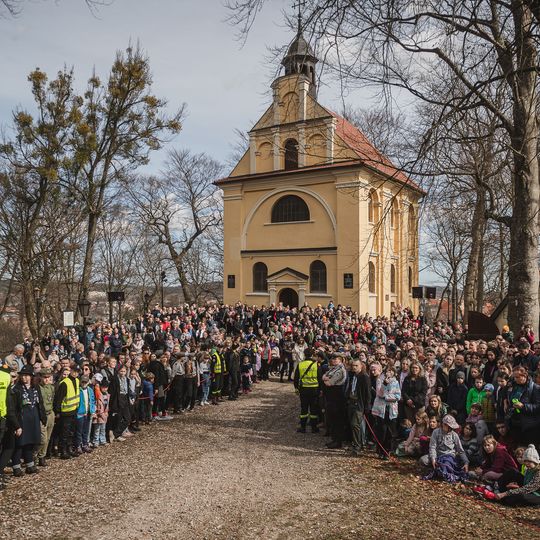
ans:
x=457 y=397
x=469 y=441
x=476 y=394
x=447 y=457
x=46 y=395
x=436 y=407
x=358 y=396
x=30 y=415
x=99 y=422
x=65 y=406
x=246 y=373
x=385 y=409
x=307 y=382
x=413 y=391
x=334 y=381
x=496 y=460
x=412 y=445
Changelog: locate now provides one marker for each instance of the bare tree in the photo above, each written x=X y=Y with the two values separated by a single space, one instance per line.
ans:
x=179 y=207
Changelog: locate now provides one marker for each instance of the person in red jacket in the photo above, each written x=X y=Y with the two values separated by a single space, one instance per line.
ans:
x=497 y=460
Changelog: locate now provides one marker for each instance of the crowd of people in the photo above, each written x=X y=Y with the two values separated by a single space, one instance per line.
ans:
x=468 y=410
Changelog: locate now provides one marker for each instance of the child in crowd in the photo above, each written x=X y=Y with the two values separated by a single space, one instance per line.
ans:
x=446 y=455
x=496 y=460
x=147 y=397
x=501 y=396
x=85 y=413
x=476 y=394
x=101 y=390
x=488 y=407
x=503 y=437
x=411 y=447
x=470 y=444
x=475 y=417
x=246 y=372
x=457 y=397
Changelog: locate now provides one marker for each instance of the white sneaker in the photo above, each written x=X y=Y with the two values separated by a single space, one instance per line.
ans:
x=119 y=439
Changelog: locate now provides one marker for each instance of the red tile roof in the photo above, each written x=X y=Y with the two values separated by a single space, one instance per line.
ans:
x=369 y=155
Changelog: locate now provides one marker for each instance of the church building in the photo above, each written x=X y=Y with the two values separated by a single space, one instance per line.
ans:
x=313 y=213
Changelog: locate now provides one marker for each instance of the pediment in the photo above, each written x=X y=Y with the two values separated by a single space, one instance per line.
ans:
x=286 y=275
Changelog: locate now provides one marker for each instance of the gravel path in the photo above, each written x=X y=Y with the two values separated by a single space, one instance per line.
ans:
x=239 y=471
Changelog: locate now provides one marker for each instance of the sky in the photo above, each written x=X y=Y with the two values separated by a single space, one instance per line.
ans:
x=195 y=58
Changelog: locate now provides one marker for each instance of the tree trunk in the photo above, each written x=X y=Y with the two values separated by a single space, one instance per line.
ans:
x=88 y=254
x=184 y=284
x=523 y=278
x=473 y=267
x=480 y=282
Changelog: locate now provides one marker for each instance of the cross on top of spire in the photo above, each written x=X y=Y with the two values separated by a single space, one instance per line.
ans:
x=300 y=4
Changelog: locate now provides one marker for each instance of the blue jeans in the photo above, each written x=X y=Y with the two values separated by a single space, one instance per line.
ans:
x=82 y=431
x=99 y=434
x=205 y=386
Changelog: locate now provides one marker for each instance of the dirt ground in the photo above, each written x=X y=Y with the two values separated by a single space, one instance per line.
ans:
x=240 y=471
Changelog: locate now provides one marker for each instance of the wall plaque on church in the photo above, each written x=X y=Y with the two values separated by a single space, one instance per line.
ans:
x=231 y=281
x=348 y=281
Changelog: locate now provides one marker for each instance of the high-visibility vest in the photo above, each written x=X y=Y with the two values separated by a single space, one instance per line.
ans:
x=218 y=365
x=5 y=380
x=70 y=403
x=307 y=374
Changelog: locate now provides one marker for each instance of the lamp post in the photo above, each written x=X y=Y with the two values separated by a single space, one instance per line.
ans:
x=147 y=299
x=163 y=276
x=84 y=308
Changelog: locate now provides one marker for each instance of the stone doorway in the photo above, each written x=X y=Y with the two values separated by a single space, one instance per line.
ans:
x=288 y=297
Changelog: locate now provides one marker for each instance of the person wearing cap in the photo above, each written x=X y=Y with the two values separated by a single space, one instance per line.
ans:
x=66 y=403
x=447 y=457
x=30 y=414
x=46 y=394
x=522 y=490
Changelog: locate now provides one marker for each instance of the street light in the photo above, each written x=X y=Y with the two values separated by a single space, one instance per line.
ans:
x=147 y=299
x=163 y=280
x=84 y=308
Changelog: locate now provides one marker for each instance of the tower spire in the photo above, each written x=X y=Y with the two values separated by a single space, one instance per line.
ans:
x=300 y=4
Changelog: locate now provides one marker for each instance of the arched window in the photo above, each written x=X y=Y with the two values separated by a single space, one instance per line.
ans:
x=260 y=274
x=412 y=230
x=317 y=277
x=395 y=225
x=392 y=278
x=291 y=154
x=371 y=277
x=410 y=280
x=290 y=208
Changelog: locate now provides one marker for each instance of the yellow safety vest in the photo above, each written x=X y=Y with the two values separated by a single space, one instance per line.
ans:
x=5 y=381
x=307 y=374
x=70 y=402
x=218 y=363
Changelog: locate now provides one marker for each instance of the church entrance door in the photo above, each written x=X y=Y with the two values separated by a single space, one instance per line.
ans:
x=288 y=297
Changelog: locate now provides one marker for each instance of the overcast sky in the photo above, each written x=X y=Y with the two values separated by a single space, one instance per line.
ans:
x=194 y=56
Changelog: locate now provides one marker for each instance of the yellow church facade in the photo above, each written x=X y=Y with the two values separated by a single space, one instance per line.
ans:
x=313 y=213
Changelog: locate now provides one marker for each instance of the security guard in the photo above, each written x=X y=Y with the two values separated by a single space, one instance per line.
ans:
x=307 y=380
x=5 y=450
x=66 y=403
x=217 y=368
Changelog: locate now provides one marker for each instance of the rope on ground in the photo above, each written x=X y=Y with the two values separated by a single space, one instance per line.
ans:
x=491 y=507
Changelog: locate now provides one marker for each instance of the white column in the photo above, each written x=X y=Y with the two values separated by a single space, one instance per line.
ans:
x=276 y=149
x=273 y=294
x=303 y=88
x=301 y=295
x=330 y=131
x=301 y=145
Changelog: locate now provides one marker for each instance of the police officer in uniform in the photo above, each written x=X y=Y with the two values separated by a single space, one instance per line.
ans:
x=307 y=380
x=7 y=422
x=217 y=370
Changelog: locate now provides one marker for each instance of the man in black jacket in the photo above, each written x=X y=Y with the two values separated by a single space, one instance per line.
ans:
x=358 y=395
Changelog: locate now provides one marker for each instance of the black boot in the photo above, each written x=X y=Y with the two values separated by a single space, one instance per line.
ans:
x=314 y=429
x=42 y=462
x=18 y=472
x=32 y=469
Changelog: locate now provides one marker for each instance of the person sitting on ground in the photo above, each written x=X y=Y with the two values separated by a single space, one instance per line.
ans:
x=525 y=492
x=436 y=407
x=469 y=442
x=497 y=460
x=446 y=455
x=411 y=447
x=503 y=437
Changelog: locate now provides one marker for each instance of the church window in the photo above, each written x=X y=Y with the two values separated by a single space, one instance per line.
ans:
x=371 y=277
x=291 y=154
x=317 y=277
x=410 y=280
x=392 y=278
x=260 y=275
x=290 y=208
x=371 y=207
